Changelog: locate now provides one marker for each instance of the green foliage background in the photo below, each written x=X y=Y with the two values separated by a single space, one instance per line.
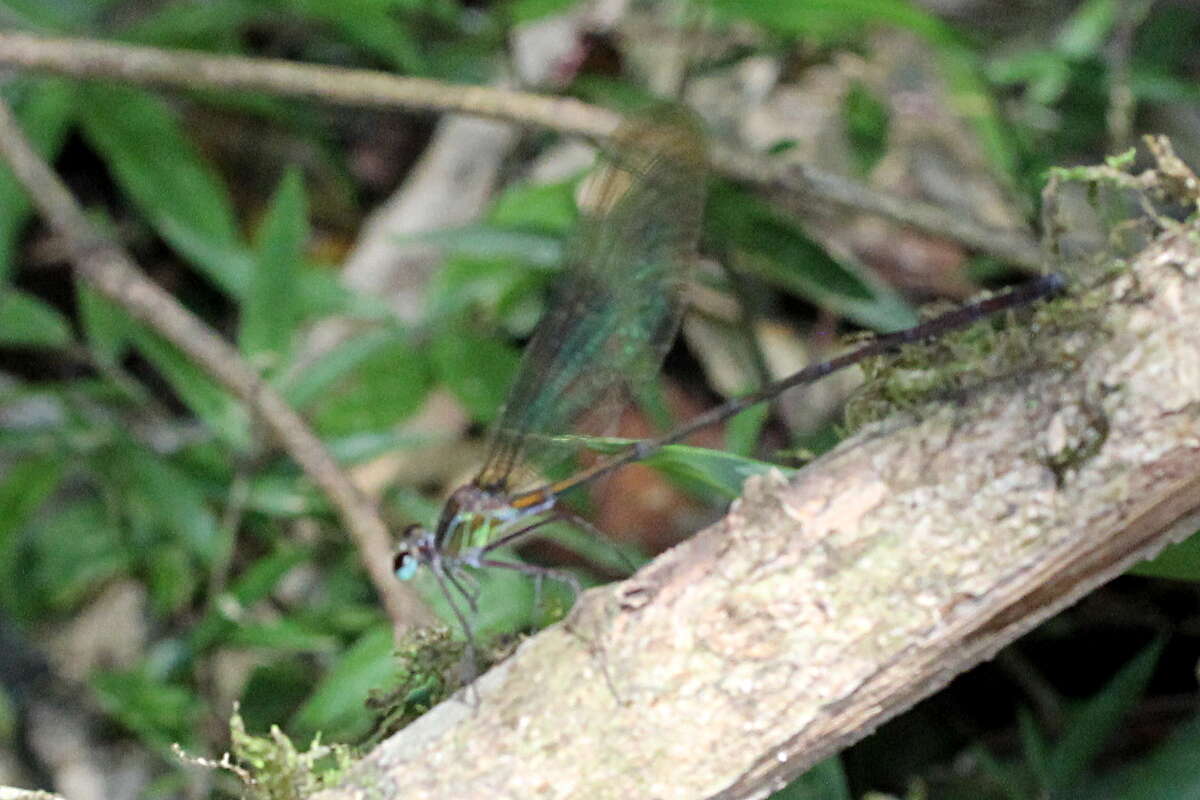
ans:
x=120 y=461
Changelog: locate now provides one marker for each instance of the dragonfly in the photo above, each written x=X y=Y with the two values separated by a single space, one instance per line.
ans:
x=608 y=324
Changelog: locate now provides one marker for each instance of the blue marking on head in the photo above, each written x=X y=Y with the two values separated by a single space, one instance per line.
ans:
x=407 y=567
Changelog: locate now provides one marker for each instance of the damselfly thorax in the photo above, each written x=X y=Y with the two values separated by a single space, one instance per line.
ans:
x=474 y=517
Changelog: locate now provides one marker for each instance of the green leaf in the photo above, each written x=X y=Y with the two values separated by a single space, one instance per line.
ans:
x=477 y=369
x=228 y=264
x=1045 y=73
x=160 y=714
x=547 y=208
x=1149 y=85
x=252 y=586
x=825 y=780
x=1170 y=770
x=25 y=486
x=370 y=26
x=106 y=326
x=282 y=496
x=268 y=311
x=211 y=403
x=274 y=691
x=152 y=159
x=829 y=20
x=704 y=471
x=507 y=287
x=973 y=101
x=742 y=430
x=282 y=635
x=319 y=293
x=334 y=366
x=1026 y=66
x=699 y=469
x=1034 y=747
x=1008 y=777
x=34 y=14
x=520 y=11
x=173 y=498
x=27 y=321
x=359 y=447
x=1086 y=30
x=74 y=551
x=335 y=707
x=608 y=554
x=45 y=114
x=389 y=381
x=779 y=252
x=212 y=25
x=866 y=126
x=232 y=267
x=1094 y=722
x=491 y=242
x=1180 y=562
x=171 y=577
x=261 y=578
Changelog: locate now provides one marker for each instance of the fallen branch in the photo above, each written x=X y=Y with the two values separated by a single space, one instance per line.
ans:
x=108 y=269
x=823 y=605
x=149 y=66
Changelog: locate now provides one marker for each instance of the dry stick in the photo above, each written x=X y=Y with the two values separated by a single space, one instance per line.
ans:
x=110 y=271
x=830 y=601
x=85 y=58
x=89 y=58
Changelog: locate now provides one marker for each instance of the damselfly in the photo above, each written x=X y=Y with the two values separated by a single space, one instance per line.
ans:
x=609 y=322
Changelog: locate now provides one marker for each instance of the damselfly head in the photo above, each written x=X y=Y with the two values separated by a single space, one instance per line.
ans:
x=416 y=548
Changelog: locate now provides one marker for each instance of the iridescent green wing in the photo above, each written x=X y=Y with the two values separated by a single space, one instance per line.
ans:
x=617 y=305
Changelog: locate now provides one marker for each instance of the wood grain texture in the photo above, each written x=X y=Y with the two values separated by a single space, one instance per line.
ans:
x=825 y=604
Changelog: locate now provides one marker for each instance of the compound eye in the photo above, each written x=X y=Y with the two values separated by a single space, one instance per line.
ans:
x=405 y=565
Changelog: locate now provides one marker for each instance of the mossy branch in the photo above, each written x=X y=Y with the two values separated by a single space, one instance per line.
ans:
x=825 y=604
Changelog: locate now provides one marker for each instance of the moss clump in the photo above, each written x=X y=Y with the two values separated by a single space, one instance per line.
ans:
x=1087 y=444
x=995 y=348
x=271 y=767
x=278 y=770
x=428 y=664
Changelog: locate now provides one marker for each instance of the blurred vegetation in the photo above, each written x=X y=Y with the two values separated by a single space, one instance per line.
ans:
x=125 y=472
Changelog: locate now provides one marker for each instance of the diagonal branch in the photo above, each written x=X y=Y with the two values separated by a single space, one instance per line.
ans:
x=825 y=604
x=86 y=58
x=179 y=69
x=110 y=271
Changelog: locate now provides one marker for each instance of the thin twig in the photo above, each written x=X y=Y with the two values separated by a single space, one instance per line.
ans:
x=111 y=272
x=86 y=58
x=152 y=66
